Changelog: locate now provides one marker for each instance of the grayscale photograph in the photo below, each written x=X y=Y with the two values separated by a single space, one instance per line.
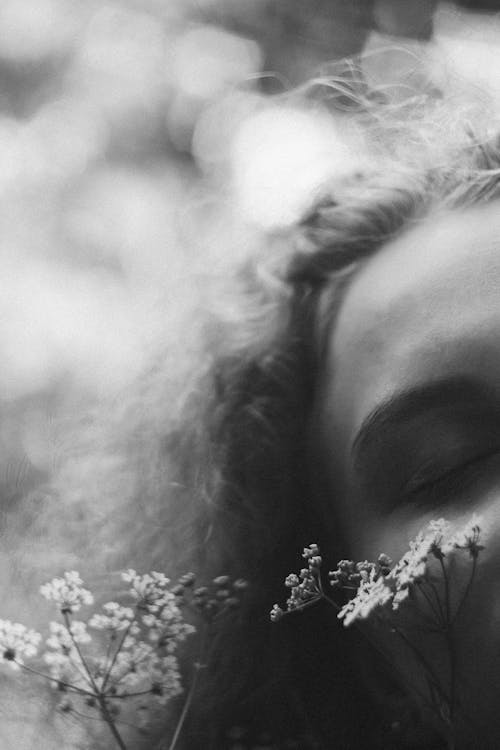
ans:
x=250 y=374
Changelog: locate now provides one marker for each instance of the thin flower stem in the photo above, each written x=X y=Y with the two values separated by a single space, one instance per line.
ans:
x=198 y=665
x=117 y=680
x=391 y=664
x=108 y=650
x=467 y=589
x=430 y=672
x=451 y=652
x=67 y=685
x=111 y=723
x=428 y=599
x=99 y=718
x=82 y=673
x=75 y=643
x=434 y=686
x=438 y=600
x=99 y=693
x=307 y=604
x=449 y=640
x=331 y=601
x=102 y=703
x=129 y=695
x=400 y=674
x=446 y=591
x=319 y=583
x=413 y=688
x=118 y=649
x=435 y=707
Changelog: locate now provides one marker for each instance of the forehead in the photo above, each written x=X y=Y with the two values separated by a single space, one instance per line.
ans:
x=425 y=306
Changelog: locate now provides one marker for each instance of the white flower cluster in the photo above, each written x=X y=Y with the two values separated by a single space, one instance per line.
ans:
x=166 y=679
x=115 y=618
x=437 y=540
x=67 y=592
x=17 y=642
x=62 y=658
x=469 y=537
x=162 y=617
x=139 y=664
x=413 y=565
x=372 y=592
x=63 y=638
x=133 y=649
x=380 y=583
x=305 y=588
x=167 y=628
x=139 y=667
x=151 y=589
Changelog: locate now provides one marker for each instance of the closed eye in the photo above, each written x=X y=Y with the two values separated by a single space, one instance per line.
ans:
x=441 y=483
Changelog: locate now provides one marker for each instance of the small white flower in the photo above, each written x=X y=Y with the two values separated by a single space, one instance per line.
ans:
x=166 y=679
x=68 y=592
x=115 y=618
x=399 y=597
x=413 y=565
x=17 y=642
x=62 y=658
x=276 y=613
x=150 y=590
x=129 y=575
x=469 y=536
x=63 y=639
x=134 y=664
x=167 y=627
x=63 y=668
x=371 y=593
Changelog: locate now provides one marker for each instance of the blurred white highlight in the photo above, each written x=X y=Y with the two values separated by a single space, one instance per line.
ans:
x=57 y=144
x=32 y=29
x=120 y=60
x=207 y=59
x=281 y=157
x=57 y=323
x=466 y=52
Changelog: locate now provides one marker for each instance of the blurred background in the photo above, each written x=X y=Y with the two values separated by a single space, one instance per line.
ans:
x=123 y=124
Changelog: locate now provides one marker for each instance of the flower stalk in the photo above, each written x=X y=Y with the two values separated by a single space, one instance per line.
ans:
x=382 y=591
x=120 y=652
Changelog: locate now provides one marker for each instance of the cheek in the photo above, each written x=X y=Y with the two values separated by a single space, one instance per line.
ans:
x=467 y=655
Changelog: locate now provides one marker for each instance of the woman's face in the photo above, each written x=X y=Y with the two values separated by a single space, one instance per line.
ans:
x=410 y=420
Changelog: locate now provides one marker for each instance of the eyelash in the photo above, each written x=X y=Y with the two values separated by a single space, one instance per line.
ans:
x=445 y=483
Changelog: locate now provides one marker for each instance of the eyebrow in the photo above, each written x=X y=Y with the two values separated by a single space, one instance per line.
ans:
x=458 y=391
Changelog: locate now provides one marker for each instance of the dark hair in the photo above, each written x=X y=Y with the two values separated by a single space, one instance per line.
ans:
x=249 y=463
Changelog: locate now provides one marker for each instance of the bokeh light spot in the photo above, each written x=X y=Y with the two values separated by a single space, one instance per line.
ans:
x=206 y=59
x=281 y=157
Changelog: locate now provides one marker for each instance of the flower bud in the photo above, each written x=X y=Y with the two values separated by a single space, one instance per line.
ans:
x=221 y=581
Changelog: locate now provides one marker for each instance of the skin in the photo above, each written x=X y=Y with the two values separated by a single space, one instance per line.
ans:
x=425 y=310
